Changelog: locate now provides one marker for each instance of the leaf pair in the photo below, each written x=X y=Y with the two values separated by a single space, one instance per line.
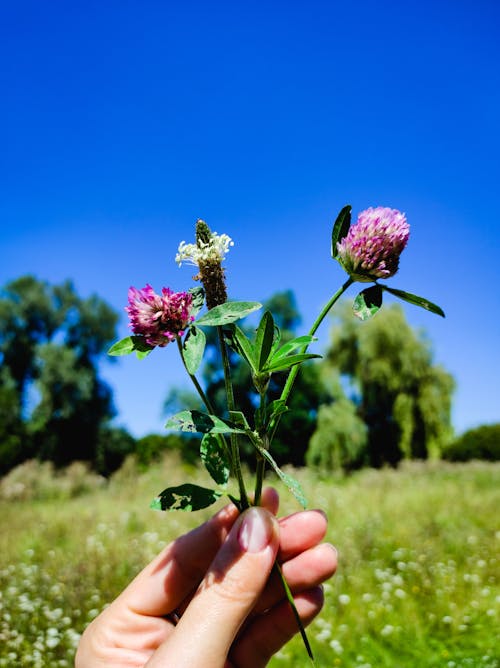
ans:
x=263 y=354
x=369 y=301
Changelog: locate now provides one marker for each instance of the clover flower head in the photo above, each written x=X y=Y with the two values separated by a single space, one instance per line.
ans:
x=371 y=248
x=159 y=318
x=213 y=250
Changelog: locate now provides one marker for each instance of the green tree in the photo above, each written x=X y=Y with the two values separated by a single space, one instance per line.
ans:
x=51 y=341
x=479 y=443
x=387 y=371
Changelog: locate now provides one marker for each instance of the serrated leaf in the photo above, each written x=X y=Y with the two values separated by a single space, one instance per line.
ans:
x=292 y=345
x=185 y=497
x=198 y=297
x=415 y=300
x=226 y=313
x=340 y=228
x=244 y=347
x=368 y=302
x=193 y=348
x=214 y=458
x=264 y=339
x=198 y=422
x=287 y=362
x=290 y=482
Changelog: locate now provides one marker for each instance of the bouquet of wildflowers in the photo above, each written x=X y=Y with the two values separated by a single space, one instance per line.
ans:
x=368 y=251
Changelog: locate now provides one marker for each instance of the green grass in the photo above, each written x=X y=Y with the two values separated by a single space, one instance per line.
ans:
x=417 y=584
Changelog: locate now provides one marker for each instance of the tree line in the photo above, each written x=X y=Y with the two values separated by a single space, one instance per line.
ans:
x=375 y=398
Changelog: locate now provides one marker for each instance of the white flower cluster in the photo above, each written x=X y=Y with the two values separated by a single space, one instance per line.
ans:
x=215 y=250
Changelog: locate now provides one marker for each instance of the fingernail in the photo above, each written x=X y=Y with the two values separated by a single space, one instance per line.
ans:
x=256 y=530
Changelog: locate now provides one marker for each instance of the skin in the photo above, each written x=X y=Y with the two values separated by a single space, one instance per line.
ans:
x=229 y=609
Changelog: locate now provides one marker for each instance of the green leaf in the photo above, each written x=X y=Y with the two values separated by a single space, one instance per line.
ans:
x=290 y=482
x=288 y=347
x=368 y=302
x=196 y=421
x=215 y=459
x=415 y=299
x=185 y=497
x=227 y=313
x=264 y=339
x=238 y=418
x=198 y=296
x=275 y=408
x=130 y=344
x=340 y=228
x=287 y=362
x=193 y=349
x=244 y=347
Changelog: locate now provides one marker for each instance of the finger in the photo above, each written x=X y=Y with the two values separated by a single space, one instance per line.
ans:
x=300 y=531
x=267 y=634
x=303 y=572
x=226 y=595
x=179 y=568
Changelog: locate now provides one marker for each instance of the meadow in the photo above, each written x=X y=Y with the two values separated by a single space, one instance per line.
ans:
x=417 y=583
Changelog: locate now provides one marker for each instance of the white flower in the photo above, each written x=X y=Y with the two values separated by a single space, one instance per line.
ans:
x=216 y=250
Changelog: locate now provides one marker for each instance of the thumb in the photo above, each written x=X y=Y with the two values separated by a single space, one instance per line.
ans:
x=226 y=595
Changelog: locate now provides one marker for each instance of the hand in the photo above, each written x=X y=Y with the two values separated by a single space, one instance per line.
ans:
x=209 y=600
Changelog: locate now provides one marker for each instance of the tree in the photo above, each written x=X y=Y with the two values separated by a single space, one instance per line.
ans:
x=387 y=371
x=51 y=341
x=479 y=443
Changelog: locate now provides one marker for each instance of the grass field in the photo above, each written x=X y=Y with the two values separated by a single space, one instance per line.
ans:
x=417 y=584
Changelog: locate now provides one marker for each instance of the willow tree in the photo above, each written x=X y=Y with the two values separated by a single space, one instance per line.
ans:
x=388 y=374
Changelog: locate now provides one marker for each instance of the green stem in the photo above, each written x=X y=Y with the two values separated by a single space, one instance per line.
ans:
x=195 y=382
x=235 y=451
x=289 y=597
x=260 y=471
x=220 y=437
x=295 y=370
x=261 y=462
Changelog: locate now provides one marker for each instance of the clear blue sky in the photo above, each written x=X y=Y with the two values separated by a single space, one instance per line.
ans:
x=123 y=122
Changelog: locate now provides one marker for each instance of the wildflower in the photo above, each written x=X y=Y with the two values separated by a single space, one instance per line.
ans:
x=159 y=318
x=215 y=248
x=371 y=248
x=207 y=254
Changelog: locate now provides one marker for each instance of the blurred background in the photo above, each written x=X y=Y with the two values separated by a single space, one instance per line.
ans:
x=124 y=122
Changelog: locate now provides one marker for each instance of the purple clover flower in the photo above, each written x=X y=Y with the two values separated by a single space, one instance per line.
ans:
x=372 y=247
x=159 y=318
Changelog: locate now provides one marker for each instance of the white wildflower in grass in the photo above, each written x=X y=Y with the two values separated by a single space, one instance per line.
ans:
x=336 y=646
x=387 y=630
x=344 y=599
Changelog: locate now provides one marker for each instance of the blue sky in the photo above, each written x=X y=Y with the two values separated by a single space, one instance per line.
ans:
x=123 y=122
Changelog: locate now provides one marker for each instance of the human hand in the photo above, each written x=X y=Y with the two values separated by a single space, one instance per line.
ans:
x=208 y=598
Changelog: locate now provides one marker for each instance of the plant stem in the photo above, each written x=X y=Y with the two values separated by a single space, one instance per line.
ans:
x=261 y=462
x=194 y=380
x=295 y=370
x=259 y=473
x=220 y=437
x=235 y=451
